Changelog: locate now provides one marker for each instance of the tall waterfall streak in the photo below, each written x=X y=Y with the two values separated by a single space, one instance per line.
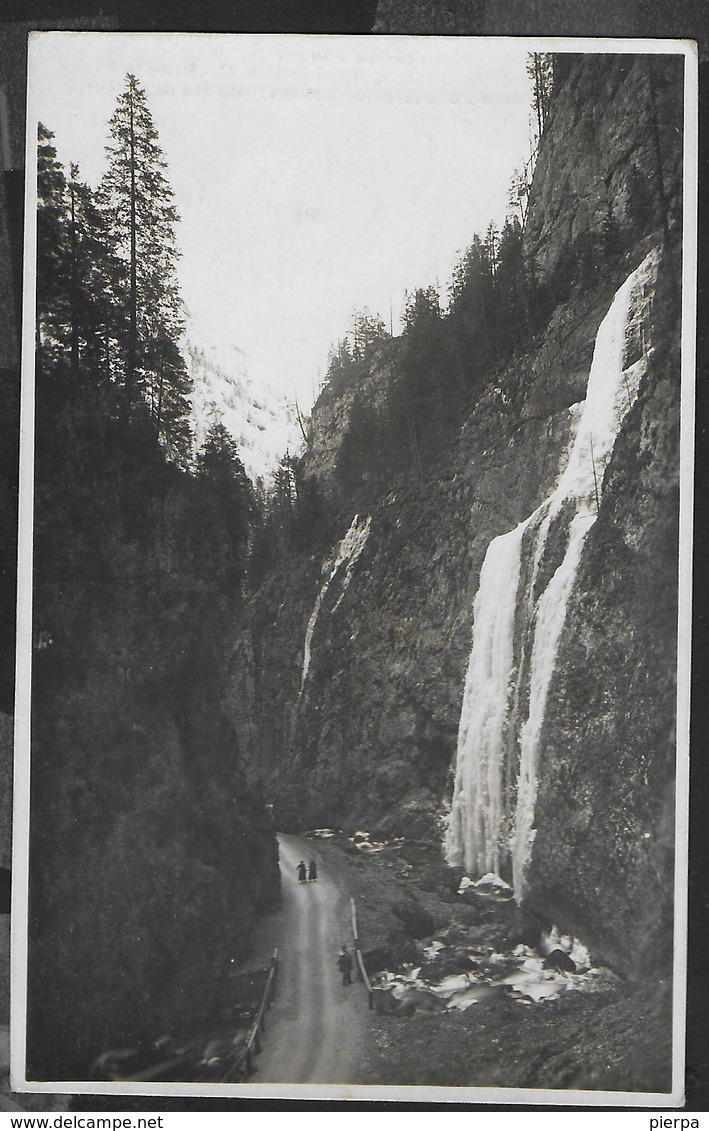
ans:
x=610 y=394
x=550 y=618
x=474 y=825
x=347 y=551
x=351 y=547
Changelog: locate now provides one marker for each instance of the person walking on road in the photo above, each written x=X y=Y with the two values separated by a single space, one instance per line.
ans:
x=302 y=872
x=344 y=964
x=313 y=871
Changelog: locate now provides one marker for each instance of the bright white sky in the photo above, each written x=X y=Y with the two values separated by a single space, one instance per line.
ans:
x=312 y=175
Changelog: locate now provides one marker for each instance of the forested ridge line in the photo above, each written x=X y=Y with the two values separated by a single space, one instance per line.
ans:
x=393 y=406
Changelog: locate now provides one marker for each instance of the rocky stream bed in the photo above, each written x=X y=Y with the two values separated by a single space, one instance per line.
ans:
x=471 y=991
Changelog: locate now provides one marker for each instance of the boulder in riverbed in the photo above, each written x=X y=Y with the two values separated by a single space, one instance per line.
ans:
x=558 y=960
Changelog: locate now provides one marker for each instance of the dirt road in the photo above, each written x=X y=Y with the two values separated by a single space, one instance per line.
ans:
x=316 y=1026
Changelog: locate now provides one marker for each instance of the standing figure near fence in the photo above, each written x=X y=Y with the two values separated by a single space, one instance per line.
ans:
x=313 y=871
x=302 y=872
x=344 y=965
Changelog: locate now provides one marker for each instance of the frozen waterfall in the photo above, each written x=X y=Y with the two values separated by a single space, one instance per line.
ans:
x=346 y=552
x=473 y=838
x=516 y=629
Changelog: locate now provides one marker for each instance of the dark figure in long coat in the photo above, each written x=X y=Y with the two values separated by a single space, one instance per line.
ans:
x=344 y=964
x=302 y=872
x=313 y=871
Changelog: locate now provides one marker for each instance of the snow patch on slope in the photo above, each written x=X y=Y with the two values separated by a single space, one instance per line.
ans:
x=261 y=420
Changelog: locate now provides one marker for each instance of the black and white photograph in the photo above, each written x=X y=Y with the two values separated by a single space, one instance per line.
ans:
x=352 y=718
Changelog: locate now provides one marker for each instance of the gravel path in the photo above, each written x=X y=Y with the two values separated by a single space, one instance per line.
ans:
x=316 y=1026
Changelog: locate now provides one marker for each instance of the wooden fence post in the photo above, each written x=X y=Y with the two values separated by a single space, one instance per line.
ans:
x=361 y=970
x=358 y=959
x=272 y=978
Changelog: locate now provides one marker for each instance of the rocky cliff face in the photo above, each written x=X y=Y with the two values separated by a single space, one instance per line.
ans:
x=610 y=171
x=365 y=733
x=333 y=409
x=165 y=866
x=603 y=854
x=610 y=164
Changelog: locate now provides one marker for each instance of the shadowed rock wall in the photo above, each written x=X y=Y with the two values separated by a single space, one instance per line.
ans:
x=370 y=739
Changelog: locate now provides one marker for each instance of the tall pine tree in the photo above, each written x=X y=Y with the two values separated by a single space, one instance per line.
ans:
x=91 y=281
x=540 y=71
x=52 y=250
x=137 y=201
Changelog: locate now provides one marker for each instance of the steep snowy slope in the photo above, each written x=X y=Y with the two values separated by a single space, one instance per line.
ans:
x=261 y=420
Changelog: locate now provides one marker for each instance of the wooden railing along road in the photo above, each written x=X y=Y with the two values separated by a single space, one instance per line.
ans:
x=359 y=961
x=241 y=1061
x=243 y=1057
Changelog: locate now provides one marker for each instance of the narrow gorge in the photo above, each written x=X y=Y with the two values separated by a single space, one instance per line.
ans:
x=432 y=653
x=542 y=527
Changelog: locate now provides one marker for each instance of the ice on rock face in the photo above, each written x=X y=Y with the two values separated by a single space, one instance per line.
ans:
x=549 y=941
x=506 y=610
x=491 y=880
x=528 y=981
x=580 y=956
x=346 y=553
x=474 y=824
x=450 y=984
x=489 y=884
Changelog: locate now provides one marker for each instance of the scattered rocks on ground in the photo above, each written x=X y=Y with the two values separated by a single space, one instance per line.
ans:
x=491 y=1014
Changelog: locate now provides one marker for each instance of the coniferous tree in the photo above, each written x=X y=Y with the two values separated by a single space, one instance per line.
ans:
x=491 y=245
x=92 y=281
x=471 y=304
x=362 y=453
x=169 y=393
x=225 y=505
x=218 y=460
x=518 y=196
x=512 y=286
x=52 y=249
x=540 y=69
x=275 y=519
x=141 y=218
x=339 y=359
x=285 y=492
x=427 y=388
x=135 y=562
x=367 y=329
